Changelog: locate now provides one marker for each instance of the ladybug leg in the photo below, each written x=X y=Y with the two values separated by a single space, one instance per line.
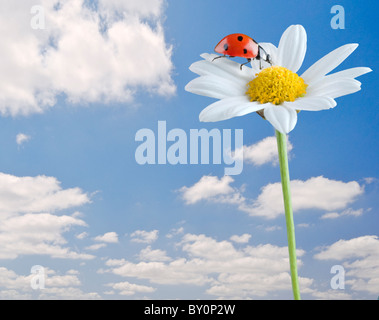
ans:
x=224 y=56
x=248 y=61
x=268 y=59
x=263 y=55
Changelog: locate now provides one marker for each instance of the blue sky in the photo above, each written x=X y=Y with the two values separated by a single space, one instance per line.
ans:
x=75 y=201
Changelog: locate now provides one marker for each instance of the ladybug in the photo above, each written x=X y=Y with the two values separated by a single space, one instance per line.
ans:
x=241 y=45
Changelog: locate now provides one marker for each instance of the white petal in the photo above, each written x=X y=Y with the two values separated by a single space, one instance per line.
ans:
x=215 y=87
x=282 y=118
x=333 y=88
x=312 y=103
x=206 y=68
x=230 y=66
x=292 y=48
x=229 y=108
x=348 y=73
x=328 y=63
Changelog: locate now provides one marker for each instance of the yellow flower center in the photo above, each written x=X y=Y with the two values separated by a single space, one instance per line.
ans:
x=276 y=85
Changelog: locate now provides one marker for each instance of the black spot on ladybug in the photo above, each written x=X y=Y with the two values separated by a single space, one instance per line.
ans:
x=240 y=38
x=226 y=47
x=245 y=51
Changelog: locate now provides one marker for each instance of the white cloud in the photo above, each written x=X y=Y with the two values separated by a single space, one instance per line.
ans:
x=347 y=212
x=72 y=271
x=14 y=295
x=174 y=232
x=346 y=249
x=370 y=180
x=129 y=289
x=176 y=272
x=149 y=254
x=37 y=194
x=332 y=295
x=96 y=246
x=224 y=270
x=21 y=138
x=330 y=215
x=241 y=239
x=143 y=236
x=52 y=279
x=360 y=258
x=69 y=293
x=109 y=237
x=303 y=225
x=102 y=53
x=9 y=280
x=273 y=228
x=38 y=234
x=57 y=286
x=315 y=193
x=27 y=227
x=115 y=262
x=143 y=9
x=212 y=189
x=82 y=235
x=264 y=151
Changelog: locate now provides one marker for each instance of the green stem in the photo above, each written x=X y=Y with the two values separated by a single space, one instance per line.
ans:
x=284 y=173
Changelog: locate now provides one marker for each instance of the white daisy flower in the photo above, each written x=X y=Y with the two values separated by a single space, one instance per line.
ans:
x=276 y=92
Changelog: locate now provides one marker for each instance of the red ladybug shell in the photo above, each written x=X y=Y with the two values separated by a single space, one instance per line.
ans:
x=238 y=45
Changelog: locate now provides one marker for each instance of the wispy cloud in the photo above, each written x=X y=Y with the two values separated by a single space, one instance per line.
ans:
x=241 y=239
x=95 y=246
x=109 y=237
x=143 y=236
x=347 y=212
x=21 y=138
